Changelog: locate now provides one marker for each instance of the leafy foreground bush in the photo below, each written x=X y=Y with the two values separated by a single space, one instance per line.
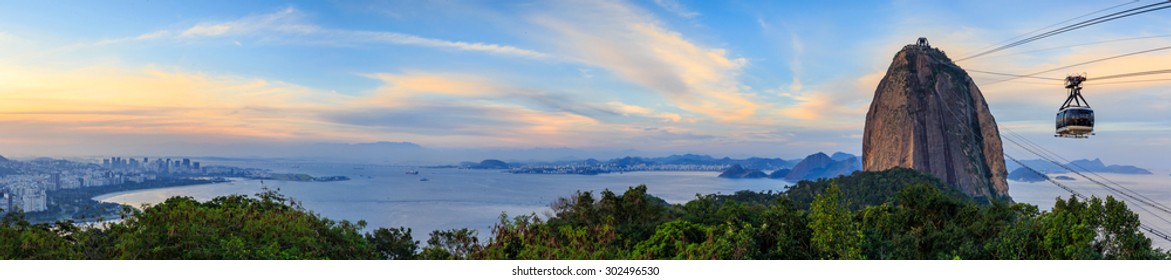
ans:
x=893 y=214
x=917 y=220
x=230 y=227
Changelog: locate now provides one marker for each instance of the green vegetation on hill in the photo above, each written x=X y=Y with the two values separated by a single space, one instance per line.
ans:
x=230 y=227
x=895 y=214
x=861 y=189
x=237 y=227
x=870 y=188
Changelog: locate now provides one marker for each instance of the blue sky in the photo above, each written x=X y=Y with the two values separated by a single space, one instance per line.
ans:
x=736 y=78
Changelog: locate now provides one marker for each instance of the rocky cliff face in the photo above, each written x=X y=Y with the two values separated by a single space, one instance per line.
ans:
x=928 y=115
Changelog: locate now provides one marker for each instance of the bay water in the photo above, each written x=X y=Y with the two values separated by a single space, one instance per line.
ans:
x=448 y=198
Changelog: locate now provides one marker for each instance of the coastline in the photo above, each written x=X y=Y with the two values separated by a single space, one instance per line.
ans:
x=85 y=204
x=104 y=196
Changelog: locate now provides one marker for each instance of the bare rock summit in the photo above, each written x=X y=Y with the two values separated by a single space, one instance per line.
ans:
x=928 y=115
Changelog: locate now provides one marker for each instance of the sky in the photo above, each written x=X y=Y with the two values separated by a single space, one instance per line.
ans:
x=726 y=78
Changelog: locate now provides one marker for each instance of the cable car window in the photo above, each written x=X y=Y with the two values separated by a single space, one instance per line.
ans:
x=1082 y=117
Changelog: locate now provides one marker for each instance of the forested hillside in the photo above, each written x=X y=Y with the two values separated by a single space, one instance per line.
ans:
x=894 y=214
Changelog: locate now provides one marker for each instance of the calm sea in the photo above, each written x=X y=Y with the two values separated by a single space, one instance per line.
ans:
x=386 y=196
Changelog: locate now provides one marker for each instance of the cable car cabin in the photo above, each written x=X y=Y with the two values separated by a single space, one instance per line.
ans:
x=1076 y=122
x=1075 y=119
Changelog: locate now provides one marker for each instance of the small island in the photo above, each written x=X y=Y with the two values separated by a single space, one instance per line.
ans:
x=739 y=172
x=300 y=177
x=490 y=164
x=1026 y=175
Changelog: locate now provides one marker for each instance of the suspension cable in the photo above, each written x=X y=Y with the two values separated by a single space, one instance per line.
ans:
x=1133 y=82
x=1079 y=25
x=1059 y=23
x=1137 y=198
x=1143 y=73
x=1136 y=206
x=1016 y=76
x=1013 y=75
x=1141 y=197
x=1149 y=229
x=1085 y=44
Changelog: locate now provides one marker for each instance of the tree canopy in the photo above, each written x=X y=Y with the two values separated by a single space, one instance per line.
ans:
x=896 y=214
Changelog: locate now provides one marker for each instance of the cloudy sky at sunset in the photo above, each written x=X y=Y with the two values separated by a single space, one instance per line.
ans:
x=726 y=78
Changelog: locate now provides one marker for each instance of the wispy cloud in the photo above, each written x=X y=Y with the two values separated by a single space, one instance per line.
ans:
x=795 y=65
x=6 y=38
x=629 y=110
x=407 y=39
x=635 y=47
x=439 y=105
x=398 y=87
x=456 y=124
x=152 y=105
x=290 y=24
x=108 y=99
x=405 y=89
x=280 y=20
x=676 y=8
x=159 y=105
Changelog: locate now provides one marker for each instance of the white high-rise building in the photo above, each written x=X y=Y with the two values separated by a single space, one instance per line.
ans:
x=34 y=200
x=5 y=201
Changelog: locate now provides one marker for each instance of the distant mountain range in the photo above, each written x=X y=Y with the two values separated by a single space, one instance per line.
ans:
x=1094 y=165
x=813 y=167
x=632 y=162
x=1022 y=174
x=693 y=159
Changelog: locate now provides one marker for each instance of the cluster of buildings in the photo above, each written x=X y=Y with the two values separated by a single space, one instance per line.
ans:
x=164 y=166
x=23 y=184
x=23 y=195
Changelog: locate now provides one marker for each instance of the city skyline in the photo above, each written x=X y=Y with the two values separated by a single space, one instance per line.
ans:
x=722 y=78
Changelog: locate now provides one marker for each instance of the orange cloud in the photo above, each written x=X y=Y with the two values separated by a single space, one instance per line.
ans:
x=400 y=88
x=111 y=99
x=631 y=44
x=1051 y=93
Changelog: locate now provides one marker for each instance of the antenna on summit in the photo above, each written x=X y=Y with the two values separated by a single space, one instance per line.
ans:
x=922 y=43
